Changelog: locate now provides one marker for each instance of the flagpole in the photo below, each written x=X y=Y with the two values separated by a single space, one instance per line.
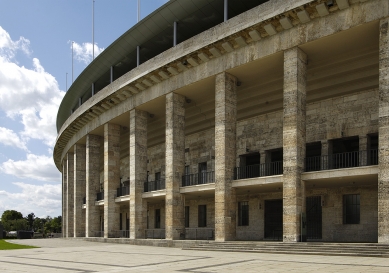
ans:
x=72 y=63
x=138 y=10
x=93 y=30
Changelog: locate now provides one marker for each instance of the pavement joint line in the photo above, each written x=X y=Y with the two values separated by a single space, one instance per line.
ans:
x=137 y=253
x=110 y=265
x=54 y=267
x=215 y=265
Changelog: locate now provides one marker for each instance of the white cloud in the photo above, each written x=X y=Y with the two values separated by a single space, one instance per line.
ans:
x=33 y=95
x=43 y=200
x=38 y=167
x=10 y=138
x=84 y=52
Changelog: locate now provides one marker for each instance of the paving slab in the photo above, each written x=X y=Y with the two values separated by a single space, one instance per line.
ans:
x=64 y=255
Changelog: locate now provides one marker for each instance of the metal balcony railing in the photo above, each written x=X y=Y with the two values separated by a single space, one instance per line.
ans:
x=198 y=178
x=259 y=170
x=100 y=196
x=341 y=160
x=124 y=234
x=156 y=233
x=199 y=233
x=154 y=185
x=122 y=191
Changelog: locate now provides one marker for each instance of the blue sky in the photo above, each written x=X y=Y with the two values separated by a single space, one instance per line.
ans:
x=35 y=55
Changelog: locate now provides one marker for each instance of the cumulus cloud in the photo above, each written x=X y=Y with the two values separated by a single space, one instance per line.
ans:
x=33 y=95
x=10 y=138
x=38 y=167
x=43 y=199
x=84 y=52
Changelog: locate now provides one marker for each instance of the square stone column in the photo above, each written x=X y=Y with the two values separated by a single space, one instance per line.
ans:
x=225 y=156
x=138 y=173
x=111 y=179
x=70 y=195
x=79 y=189
x=64 y=197
x=92 y=214
x=293 y=142
x=383 y=134
x=175 y=165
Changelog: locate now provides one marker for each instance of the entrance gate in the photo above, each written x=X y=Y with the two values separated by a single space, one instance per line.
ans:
x=314 y=217
x=273 y=219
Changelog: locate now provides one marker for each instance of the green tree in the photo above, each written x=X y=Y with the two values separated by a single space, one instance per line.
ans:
x=13 y=220
x=11 y=215
x=30 y=220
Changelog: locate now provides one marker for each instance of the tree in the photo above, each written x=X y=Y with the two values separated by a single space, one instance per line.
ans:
x=30 y=220
x=13 y=220
x=11 y=215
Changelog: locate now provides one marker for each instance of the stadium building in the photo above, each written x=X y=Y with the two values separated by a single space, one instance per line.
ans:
x=233 y=120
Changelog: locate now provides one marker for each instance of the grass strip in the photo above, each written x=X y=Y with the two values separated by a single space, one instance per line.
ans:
x=8 y=246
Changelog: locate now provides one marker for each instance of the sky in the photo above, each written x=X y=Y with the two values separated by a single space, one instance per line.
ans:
x=35 y=55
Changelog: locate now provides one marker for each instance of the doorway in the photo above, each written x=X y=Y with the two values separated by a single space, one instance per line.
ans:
x=314 y=217
x=273 y=219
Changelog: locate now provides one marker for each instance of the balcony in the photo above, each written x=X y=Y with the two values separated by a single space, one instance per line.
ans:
x=100 y=196
x=154 y=185
x=122 y=191
x=259 y=170
x=341 y=160
x=156 y=233
x=198 y=178
x=199 y=233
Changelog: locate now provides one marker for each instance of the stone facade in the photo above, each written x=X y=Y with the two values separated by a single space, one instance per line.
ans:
x=70 y=197
x=79 y=189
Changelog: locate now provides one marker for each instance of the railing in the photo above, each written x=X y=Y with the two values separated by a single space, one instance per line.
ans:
x=122 y=191
x=259 y=170
x=198 y=178
x=154 y=185
x=157 y=233
x=124 y=234
x=99 y=233
x=100 y=196
x=341 y=160
x=199 y=233
x=84 y=200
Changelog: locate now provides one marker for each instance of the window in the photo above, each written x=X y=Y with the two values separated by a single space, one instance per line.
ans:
x=158 y=176
x=186 y=216
x=202 y=216
x=157 y=218
x=203 y=173
x=351 y=209
x=121 y=222
x=243 y=213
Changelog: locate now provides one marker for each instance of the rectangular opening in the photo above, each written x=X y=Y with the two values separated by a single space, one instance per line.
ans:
x=351 y=209
x=313 y=156
x=202 y=216
x=157 y=218
x=186 y=216
x=243 y=213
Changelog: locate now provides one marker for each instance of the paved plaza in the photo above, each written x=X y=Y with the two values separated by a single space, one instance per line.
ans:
x=60 y=255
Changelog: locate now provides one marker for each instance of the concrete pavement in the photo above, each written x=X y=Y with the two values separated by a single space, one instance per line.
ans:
x=60 y=255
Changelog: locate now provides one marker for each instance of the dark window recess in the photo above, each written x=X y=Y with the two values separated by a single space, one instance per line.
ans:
x=273 y=219
x=250 y=165
x=186 y=216
x=276 y=157
x=158 y=176
x=314 y=217
x=351 y=209
x=345 y=153
x=313 y=157
x=243 y=213
x=202 y=216
x=127 y=222
x=157 y=218
x=121 y=222
x=202 y=172
x=372 y=157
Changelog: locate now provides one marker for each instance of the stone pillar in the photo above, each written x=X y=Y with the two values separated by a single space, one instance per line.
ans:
x=70 y=195
x=138 y=173
x=175 y=165
x=363 y=150
x=64 y=197
x=93 y=143
x=383 y=134
x=79 y=189
x=111 y=179
x=225 y=156
x=293 y=142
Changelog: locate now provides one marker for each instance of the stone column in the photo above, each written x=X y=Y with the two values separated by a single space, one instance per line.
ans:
x=383 y=134
x=363 y=153
x=92 y=214
x=70 y=196
x=175 y=165
x=138 y=173
x=293 y=141
x=111 y=179
x=225 y=156
x=79 y=189
x=64 y=197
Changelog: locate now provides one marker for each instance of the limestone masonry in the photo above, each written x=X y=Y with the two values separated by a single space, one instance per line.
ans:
x=233 y=120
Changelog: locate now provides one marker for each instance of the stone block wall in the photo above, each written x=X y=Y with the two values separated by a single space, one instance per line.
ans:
x=156 y=161
x=193 y=211
x=151 y=215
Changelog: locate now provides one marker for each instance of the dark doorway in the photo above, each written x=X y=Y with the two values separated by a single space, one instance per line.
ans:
x=314 y=217
x=157 y=218
x=276 y=159
x=249 y=166
x=372 y=152
x=313 y=156
x=345 y=153
x=273 y=219
x=203 y=173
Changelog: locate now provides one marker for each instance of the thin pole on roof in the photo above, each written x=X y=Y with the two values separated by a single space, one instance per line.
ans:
x=225 y=10
x=138 y=10
x=93 y=30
